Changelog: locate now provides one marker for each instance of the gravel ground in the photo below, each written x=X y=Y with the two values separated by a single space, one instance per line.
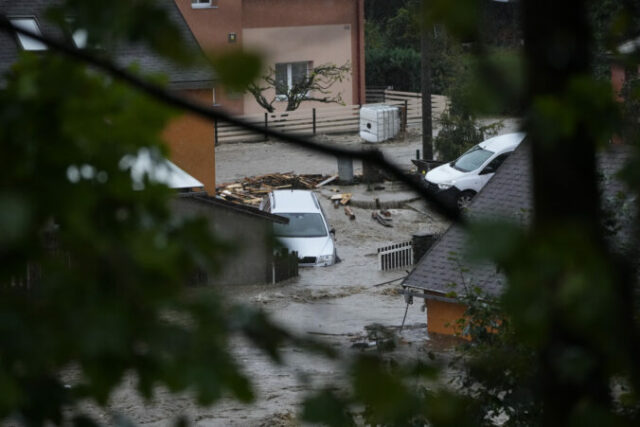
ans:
x=332 y=303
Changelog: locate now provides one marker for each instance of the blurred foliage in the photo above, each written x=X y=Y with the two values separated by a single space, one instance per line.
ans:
x=496 y=368
x=237 y=69
x=458 y=133
x=560 y=347
x=113 y=262
x=145 y=22
x=107 y=262
x=393 y=45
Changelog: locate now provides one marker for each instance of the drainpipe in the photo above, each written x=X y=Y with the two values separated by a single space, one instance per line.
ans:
x=359 y=51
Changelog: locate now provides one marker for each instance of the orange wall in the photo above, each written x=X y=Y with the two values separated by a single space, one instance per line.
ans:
x=192 y=144
x=442 y=316
x=617 y=80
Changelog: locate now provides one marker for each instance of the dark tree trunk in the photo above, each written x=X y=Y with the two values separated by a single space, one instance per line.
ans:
x=557 y=45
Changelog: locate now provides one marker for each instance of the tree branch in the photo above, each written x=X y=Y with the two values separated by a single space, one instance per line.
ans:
x=374 y=157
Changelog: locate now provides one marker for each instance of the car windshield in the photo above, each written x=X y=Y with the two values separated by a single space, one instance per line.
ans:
x=472 y=159
x=301 y=225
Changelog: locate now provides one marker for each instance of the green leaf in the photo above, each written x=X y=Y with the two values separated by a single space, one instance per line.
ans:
x=327 y=408
x=237 y=69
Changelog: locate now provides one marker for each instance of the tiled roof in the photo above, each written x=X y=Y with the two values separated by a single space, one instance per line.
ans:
x=507 y=195
x=148 y=61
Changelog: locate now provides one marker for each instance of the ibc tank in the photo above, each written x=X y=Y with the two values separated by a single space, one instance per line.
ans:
x=379 y=122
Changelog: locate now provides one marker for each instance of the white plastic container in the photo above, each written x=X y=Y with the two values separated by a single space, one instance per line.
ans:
x=379 y=122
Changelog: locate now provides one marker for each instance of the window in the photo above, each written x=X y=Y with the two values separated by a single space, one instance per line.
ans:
x=203 y=4
x=301 y=225
x=495 y=163
x=472 y=159
x=26 y=42
x=290 y=74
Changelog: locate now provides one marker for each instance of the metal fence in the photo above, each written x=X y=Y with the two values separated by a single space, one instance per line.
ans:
x=395 y=256
x=329 y=119
x=283 y=267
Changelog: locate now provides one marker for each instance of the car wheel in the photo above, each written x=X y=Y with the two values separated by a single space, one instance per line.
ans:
x=464 y=198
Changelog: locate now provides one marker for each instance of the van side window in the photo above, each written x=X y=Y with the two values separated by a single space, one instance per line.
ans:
x=495 y=163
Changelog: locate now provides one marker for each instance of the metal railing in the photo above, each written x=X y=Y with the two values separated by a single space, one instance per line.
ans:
x=395 y=256
x=329 y=119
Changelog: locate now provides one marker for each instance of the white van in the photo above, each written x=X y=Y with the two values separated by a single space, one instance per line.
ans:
x=308 y=232
x=460 y=180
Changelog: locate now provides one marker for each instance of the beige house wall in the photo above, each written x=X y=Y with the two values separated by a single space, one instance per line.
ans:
x=318 y=43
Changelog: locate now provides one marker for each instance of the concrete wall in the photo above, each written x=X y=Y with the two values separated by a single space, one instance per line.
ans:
x=442 y=316
x=248 y=234
x=319 y=44
x=212 y=26
x=191 y=142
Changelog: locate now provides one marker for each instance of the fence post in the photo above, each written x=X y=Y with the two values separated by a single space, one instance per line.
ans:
x=405 y=119
x=266 y=125
x=314 y=121
x=215 y=132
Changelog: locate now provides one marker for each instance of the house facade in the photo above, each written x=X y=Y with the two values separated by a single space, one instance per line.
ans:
x=190 y=139
x=292 y=35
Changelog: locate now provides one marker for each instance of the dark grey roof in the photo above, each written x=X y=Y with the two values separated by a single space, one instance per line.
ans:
x=242 y=209
x=508 y=195
x=180 y=77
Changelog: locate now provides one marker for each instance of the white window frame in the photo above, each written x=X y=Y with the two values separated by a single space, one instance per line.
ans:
x=27 y=43
x=204 y=4
x=280 y=97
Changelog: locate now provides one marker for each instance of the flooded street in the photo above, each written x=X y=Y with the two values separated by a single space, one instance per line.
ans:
x=332 y=304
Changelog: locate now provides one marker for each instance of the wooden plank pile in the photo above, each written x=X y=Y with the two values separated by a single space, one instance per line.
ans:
x=251 y=190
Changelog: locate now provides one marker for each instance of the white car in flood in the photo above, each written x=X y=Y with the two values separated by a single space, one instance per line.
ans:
x=460 y=180
x=308 y=232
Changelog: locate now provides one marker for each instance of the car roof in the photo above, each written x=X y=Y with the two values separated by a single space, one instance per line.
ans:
x=503 y=142
x=294 y=201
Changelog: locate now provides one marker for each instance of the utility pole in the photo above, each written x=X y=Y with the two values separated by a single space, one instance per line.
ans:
x=425 y=68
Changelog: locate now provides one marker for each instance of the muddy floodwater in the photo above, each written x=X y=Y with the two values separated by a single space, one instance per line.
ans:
x=333 y=304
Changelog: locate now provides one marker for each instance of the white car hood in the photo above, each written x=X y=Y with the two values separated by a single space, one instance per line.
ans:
x=308 y=246
x=443 y=174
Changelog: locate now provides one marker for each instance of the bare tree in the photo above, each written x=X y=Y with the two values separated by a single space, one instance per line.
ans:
x=314 y=85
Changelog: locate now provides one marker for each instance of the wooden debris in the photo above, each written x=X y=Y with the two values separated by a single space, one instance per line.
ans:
x=383 y=217
x=251 y=190
x=345 y=199
x=327 y=181
x=348 y=212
